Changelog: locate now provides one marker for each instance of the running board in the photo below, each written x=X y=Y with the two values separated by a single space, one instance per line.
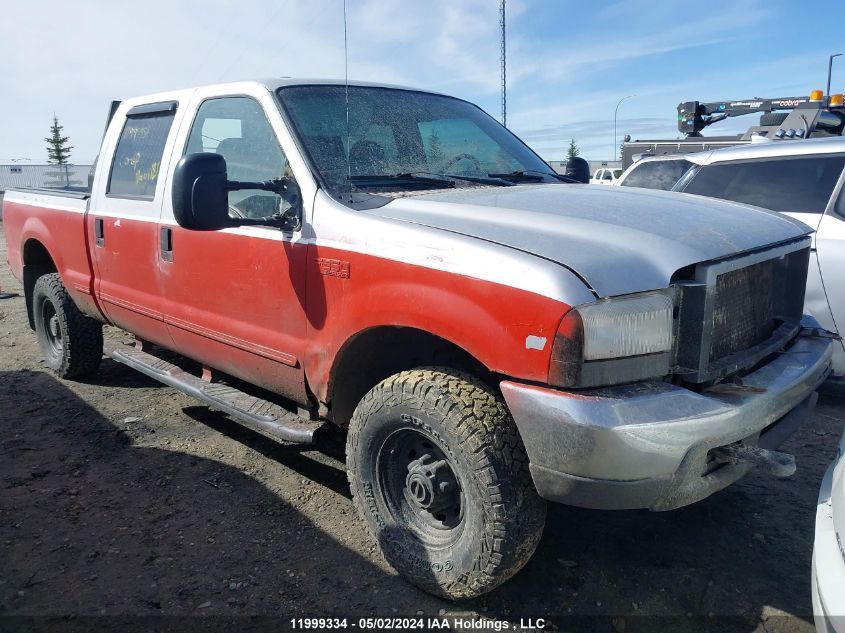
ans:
x=262 y=416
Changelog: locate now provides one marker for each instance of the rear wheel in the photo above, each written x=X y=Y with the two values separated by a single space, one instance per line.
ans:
x=439 y=473
x=71 y=342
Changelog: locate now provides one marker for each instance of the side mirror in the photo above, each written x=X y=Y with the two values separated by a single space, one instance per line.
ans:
x=578 y=169
x=200 y=192
x=201 y=196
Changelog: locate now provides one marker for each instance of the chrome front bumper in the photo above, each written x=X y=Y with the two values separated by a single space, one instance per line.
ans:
x=646 y=445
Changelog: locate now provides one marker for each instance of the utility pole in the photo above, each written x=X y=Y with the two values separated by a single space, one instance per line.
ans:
x=504 y=65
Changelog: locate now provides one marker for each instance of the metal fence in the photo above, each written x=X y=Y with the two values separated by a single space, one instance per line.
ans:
x=28 y=175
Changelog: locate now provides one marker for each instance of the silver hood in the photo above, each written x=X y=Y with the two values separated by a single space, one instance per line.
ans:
x=618 y=240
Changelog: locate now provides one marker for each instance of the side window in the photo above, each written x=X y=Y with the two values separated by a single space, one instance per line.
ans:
x=607 y=175
x=800 y=185
x=237 y=129
x=598 y=174
x=656 y=174
x=137 y=158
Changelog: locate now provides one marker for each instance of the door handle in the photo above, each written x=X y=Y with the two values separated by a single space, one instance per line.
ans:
x=166 y=243
x=99 y=238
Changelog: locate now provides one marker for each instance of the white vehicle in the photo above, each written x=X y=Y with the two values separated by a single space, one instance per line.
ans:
x=605 y=176
x=655 y=172
x=803 y=179
x=829 y=549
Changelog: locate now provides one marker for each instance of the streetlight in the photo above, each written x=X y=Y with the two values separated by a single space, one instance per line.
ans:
x=615 y=112
x=829 y=68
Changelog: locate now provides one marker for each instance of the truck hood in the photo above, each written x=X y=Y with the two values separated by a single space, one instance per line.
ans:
x=617 y=240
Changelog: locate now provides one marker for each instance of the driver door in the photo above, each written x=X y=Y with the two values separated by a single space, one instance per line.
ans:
x=234 y=298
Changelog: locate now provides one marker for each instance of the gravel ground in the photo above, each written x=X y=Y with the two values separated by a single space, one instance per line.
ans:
x=122 y=497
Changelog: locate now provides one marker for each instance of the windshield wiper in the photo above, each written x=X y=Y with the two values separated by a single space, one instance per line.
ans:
x=490 y=179
x=532 y=175
x=394 y=180
x=425 y=178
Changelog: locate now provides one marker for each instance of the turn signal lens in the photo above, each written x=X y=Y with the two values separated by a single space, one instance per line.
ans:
x=627 y=326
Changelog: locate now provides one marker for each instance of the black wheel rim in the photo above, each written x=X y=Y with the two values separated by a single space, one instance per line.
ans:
x=420 y=487
x=52 y=329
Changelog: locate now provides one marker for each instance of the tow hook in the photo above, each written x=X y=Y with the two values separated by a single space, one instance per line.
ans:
x=779 y=464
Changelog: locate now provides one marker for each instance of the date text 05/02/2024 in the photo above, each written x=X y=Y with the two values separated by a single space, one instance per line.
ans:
x=455 y=623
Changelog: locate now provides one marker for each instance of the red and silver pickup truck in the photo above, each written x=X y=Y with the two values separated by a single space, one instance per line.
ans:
x=397 y=263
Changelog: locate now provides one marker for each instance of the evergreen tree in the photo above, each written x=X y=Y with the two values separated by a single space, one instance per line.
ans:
x=435 y=151
x=573 y=150
x=58 y=151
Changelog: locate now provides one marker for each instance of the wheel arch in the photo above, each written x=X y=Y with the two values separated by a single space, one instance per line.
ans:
x=37 y=261
x=375 y=353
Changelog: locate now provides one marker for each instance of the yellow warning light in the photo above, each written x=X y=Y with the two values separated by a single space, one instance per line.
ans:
x=816 y=95
x=837 y=100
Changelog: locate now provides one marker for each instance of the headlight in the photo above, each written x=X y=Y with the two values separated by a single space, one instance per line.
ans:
x=621 y=339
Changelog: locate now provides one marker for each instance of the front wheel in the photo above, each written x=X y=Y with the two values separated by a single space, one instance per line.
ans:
x=440 y=475
x=71 y=342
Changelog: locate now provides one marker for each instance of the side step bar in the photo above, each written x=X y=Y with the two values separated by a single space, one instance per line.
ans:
x=265 y=417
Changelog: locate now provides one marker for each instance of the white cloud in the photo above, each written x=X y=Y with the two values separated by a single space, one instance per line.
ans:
x=74 y=58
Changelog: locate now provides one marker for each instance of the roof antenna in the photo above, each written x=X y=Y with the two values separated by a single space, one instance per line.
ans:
x=346 y=86
x=503 y=60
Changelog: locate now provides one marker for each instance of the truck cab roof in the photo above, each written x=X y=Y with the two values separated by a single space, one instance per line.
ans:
x=271 y=84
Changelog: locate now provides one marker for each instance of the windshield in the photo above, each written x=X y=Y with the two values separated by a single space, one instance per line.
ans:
x=393 y=132
x=657 y=174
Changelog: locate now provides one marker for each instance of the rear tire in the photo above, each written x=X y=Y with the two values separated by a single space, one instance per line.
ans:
x=440 y=476
x=71 y=342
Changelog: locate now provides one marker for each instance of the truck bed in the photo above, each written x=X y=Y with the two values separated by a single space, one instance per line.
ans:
x=36 y=222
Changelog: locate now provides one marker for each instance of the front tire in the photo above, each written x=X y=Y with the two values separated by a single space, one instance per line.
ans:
x=71 y=342
x=439 y=474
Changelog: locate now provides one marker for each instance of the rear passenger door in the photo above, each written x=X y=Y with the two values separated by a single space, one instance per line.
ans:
x=122 y=223
x=234 y=298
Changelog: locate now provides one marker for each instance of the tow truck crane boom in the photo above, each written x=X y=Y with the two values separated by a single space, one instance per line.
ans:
x=694 y=116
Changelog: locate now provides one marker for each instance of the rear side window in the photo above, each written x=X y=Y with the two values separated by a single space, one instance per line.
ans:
x=800 y=185
x=137 y=159
x=657 y=174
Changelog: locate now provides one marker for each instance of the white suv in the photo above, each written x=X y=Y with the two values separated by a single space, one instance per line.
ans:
x=803 y=179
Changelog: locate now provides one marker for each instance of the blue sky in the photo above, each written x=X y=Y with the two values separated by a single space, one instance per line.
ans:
x=568 y=62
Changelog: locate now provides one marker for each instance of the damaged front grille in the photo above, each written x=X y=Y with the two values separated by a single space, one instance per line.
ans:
x=735 y=312
x=743 y=309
